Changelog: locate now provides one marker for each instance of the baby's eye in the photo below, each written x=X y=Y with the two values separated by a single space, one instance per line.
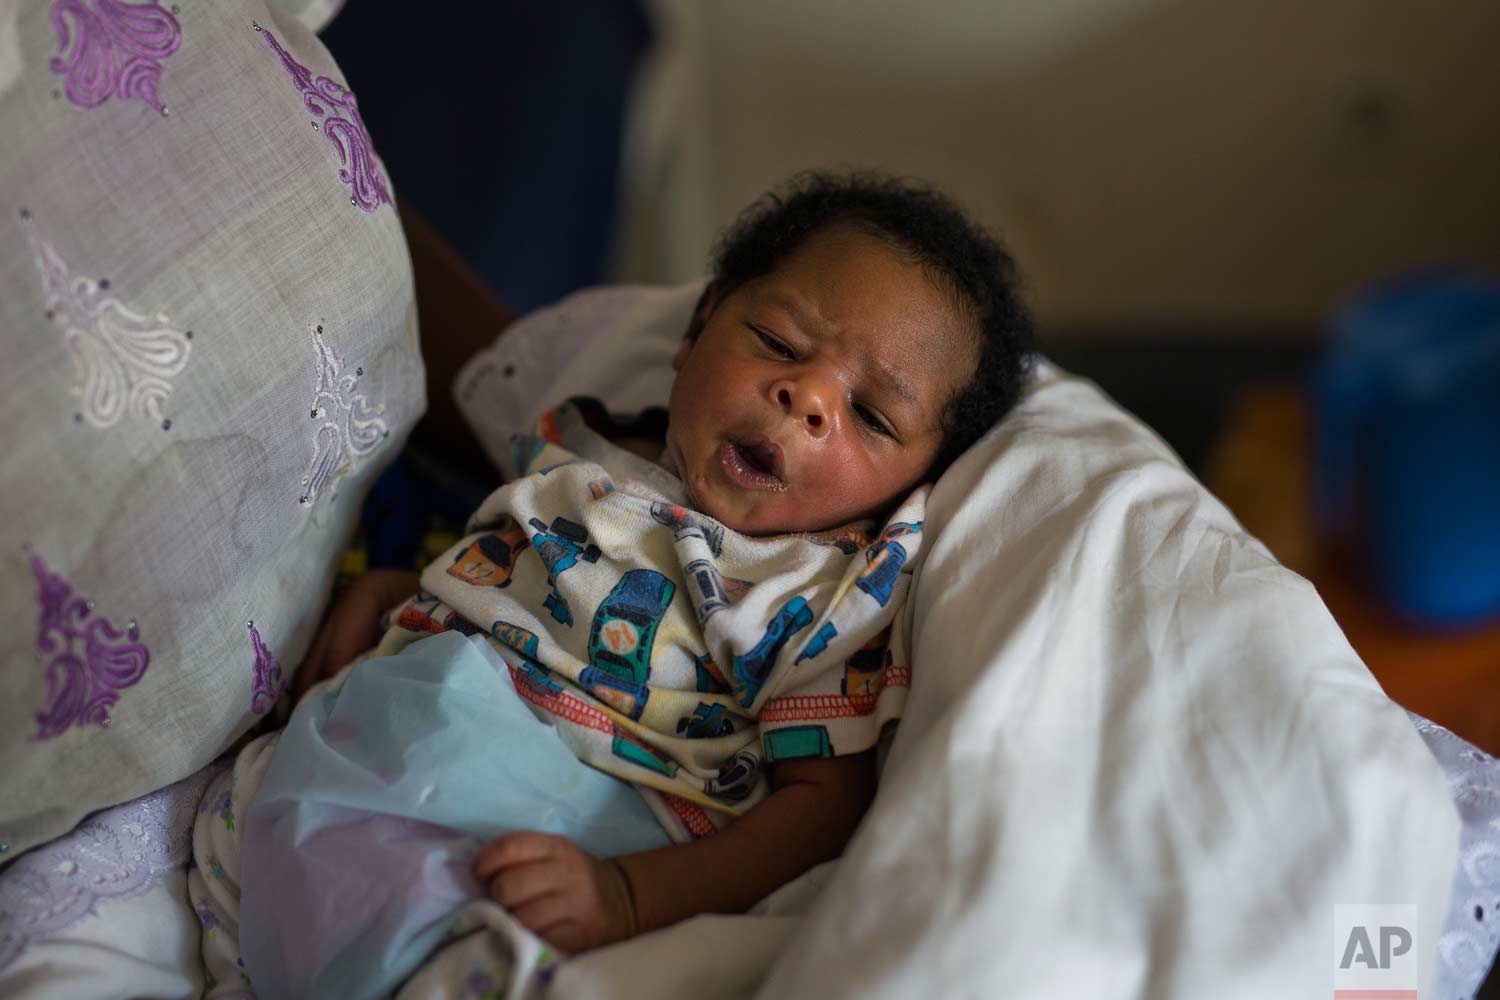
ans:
x=772 y=344
x=872 y=420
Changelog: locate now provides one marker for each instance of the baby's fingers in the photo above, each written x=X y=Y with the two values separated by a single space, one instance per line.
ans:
x=515 y=849
x=546 y=914
x=518 y=885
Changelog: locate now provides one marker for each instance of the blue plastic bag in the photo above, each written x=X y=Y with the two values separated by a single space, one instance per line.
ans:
x=356 y=848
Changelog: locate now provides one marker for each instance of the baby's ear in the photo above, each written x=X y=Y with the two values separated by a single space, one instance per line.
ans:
x=707 y=302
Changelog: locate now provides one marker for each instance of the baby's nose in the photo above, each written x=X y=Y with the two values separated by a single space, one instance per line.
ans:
x=806 y=403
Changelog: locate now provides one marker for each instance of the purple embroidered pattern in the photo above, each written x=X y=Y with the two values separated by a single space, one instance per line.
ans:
x=268 y=683
x=115 y=49
x=88 y=666
x=342 y=125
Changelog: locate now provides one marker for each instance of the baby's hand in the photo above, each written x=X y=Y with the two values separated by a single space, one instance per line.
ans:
x=567 y=898
x=354 y=625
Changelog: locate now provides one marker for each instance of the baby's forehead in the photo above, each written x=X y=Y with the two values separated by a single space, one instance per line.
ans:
x=917 y=326
x=927 y=374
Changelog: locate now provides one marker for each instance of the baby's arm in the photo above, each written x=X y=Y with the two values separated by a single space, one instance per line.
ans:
x=806 y=820
x=576 y=902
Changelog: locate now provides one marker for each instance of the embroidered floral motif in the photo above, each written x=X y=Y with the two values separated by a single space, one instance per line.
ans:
x=87 y=666
x=222 y=804
x=115 y=49
x=480 y=985
x=350 y=428
x=119 y=852
x=124 y=359
x=268 y=683
x=345 y=129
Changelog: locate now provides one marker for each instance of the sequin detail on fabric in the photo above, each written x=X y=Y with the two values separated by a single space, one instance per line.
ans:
x=113 y=49
x=342 y=124
x=349 y=427
x=124 y=360
x=89 y=661
x=119 y=852
x=1471 y=933
x=268 y=682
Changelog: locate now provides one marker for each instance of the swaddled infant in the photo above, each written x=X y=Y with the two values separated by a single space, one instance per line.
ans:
x=695 y=608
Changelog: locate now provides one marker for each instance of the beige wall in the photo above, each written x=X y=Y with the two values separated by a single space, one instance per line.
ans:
x=1194 y=163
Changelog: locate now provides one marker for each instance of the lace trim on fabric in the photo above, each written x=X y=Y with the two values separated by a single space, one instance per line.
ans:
x=1471 y=935
x=116 y=853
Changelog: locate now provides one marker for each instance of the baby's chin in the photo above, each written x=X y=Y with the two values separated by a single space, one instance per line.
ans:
x=735 y=521
x=741 y=522
x=757 y=522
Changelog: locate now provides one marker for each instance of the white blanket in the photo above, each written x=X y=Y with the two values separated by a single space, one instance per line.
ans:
x=1139 y=758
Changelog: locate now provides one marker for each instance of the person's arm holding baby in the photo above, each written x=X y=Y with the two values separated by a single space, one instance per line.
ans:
x=460 y=317
x=575 y=901
x=353 y=625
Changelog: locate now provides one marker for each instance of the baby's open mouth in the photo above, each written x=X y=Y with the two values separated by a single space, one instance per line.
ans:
x=755 y=463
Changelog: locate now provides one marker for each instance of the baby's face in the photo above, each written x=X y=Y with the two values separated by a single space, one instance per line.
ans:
x=813 y=396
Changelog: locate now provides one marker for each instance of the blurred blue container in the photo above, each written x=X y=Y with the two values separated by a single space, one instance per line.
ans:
x=1408 y=449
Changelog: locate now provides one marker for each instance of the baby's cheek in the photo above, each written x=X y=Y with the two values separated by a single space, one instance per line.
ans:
x=839 y=483
x=867 y=485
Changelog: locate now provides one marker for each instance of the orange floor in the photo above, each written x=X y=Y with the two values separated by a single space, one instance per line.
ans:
x=1451 y=678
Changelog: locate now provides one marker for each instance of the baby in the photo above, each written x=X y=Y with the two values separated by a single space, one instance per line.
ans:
x=702 y=602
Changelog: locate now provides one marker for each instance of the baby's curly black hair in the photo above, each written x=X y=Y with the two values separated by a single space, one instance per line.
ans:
x=927 y=227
